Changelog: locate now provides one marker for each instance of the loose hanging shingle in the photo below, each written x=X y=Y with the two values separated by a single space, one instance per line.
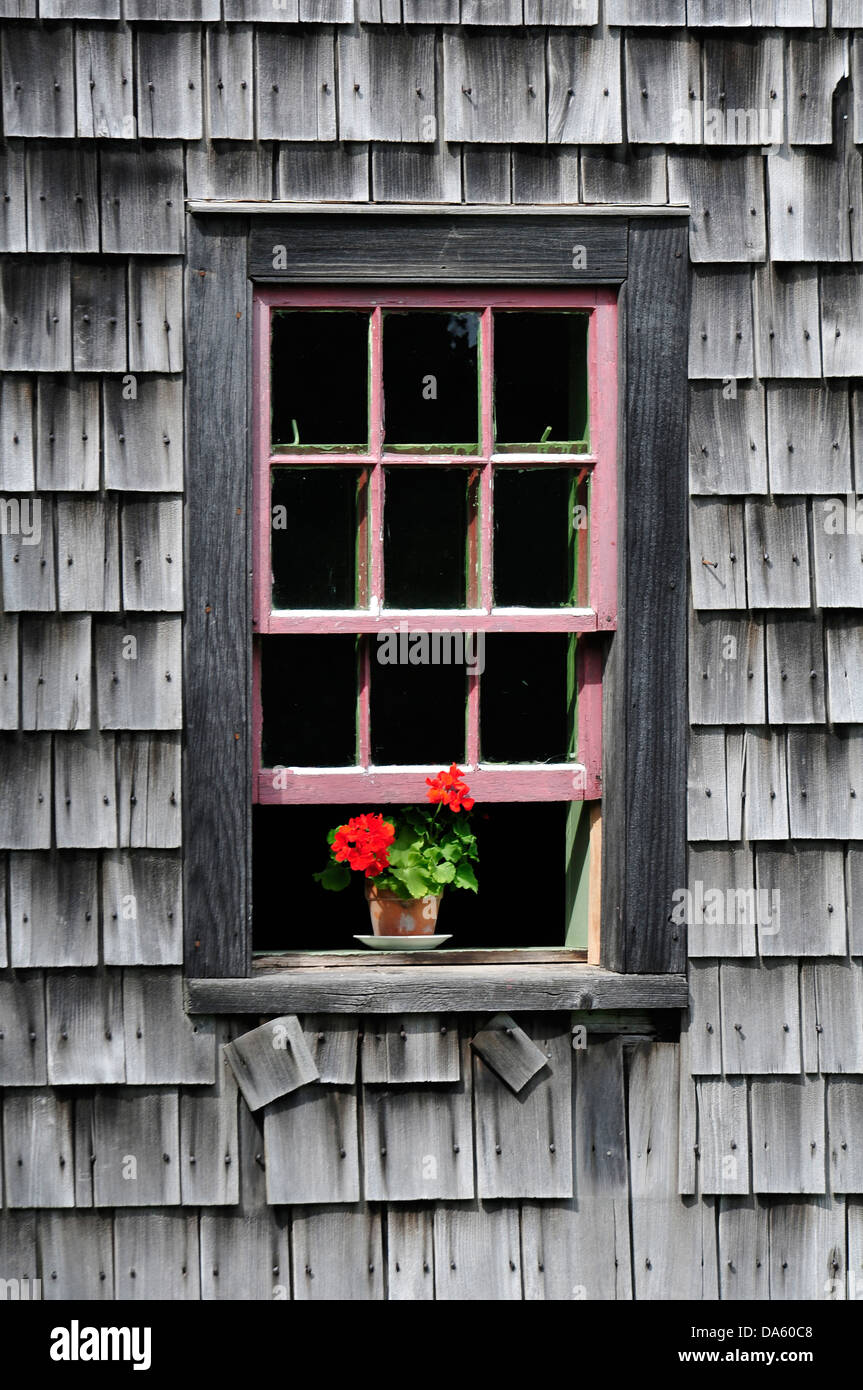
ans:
x=271 y=1061
x=509 y=1052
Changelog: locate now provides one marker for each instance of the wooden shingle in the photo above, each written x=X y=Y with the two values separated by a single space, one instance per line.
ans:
x=806 y=886
x=152 y=555
x=744 y=90
x=67 y=434
x=726 y=669
x=545 y=174
x=88 y=556
x=812 y=195
x=651 y=12
x=245 y=1256
x=726 y=194
x=720 y=324
x=136 y=1148
x=831 y=995
x=561 y=11
x=494 y=88
x=62 y=199
x=816 y=65
x=416 y=174
x=716 y=554
x=142 y=200
x=417 y=1141
x=845 y=1133
x=295 y=86
x=155 y=316
x=35 y=317
x=104 y=84
x=707 y=806
x=486 y=173
x=837 y=556
x=17 y=454
x=844 y=669
x=809 y=439
x=142 y=907
x=788 y=1139
x=337 y=1254
x=99 y=335
x=624 y=174
x=585 y=102
x=842 y=322
x=169 y=11
x=13 y=219
x=84 y=1021
x=209 y=1148
x=85 y=791
x=663 y=89
x=765 y=814
x=77 y=1255
x=9 y=718
x=230 y=171
x=795 y=671
x=25 y=808
x=744 y=1248
x=157 y=1255
x=721 y=882
x=143 y=434
x=825 y=774
x=311 y=1146
x=477 y=1247
x=332 y=1039
x=38 y=81
x=271 y=1061
x=169 y=83
x=55 y=673
x=723 y=1135
x=309 y=173
x=23 y=1056
x=139 y=675
x=410 y=1254
x=704 y=1028
x=760 y=1017
x=230 y=83
x=387 y=87
x=419 y=1048
x=38 y=1150
x=777 y=554
x=787 y=339
x=727 y=438
x=148 y=780
x=164 y=1047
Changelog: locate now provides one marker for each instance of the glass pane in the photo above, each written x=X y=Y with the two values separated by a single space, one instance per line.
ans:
x=431 y=397
x=540 y=379
x=525 y=693
x=426 y=513
x=309 y=699
x=540 y=538
x=319 y=379
x=314 y=530
x=417 y=711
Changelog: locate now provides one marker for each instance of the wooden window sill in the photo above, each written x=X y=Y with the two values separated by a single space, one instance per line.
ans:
x=381 y=987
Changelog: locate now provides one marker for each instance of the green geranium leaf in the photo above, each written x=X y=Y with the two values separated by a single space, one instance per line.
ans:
x=445 y=872
x=334 y=878
x=465 y=878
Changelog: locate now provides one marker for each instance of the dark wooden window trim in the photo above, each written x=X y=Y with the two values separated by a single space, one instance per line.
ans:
x=644 y=717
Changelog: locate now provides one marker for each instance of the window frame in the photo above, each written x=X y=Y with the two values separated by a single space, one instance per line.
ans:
x=642 y=252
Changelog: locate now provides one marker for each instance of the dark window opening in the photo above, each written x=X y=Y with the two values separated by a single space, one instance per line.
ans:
x=540 y=538
x=526 y=698
x=427 y=515
x=314 y=537
x=540 y=380
x=431 y=395
x=417 y=711
x=319 y=379
x=309 y=701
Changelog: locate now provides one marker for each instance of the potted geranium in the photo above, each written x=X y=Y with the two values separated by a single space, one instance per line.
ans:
x=408 y=857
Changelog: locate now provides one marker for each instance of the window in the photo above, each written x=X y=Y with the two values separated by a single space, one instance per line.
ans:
x=435 y=528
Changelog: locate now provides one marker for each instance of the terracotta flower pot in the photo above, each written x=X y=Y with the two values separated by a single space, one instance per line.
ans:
x=395 y=916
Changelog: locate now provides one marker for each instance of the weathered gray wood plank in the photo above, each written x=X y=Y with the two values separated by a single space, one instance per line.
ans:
x=812 y=195
x=844 y=669
x=418 y=1143
x=825 y=773
x=23 y=1056
x=414 y=1049
x=25 y=807
x=837 y=553
x=524 y=1141
x=816 y=65
x=84 y=1013
x=832 y=997
x=507 y=1049
x=386 y=88
x=673 y=1237
x=716 y=554
x=726 y=669
x=545 y=174
x=788 y=1140
x=777 y=554
x=494 y=88
x=585 y=102
x=706 y=797
x=230 y=84
x=809 y=439
x=38 y=82
x=410 y=1254
x=337 y=1255
x=766 y=797
x=623 y=174
x=27 y=551
x=807 y=1249
x=152 y=555
x=788 y=342
x=845 y=1133
x=55 y=673
x=229 y=171
x=477 y=1253
x=136 y=1147
x=9 y=717
x=332 y=1041
x=726 y=876
x=142 y=200
x=172 y=10
x=841 y=327
x=53 y=909
x=263 y=11
x=18 y=1250
x=720 y=327
x=663 y=89
x=155 y=316
x=652 y=12
x=744 y=90
x=795 y=671
x=99 y=329
x=13 y=219
x=806 y=885
x=209 y=1136
x=85 y=791
x=416 y=174
x=143 y=434
x=156 y=1255
x=79 y=9
x=35 y=316
x=105 y=92
x=68 y=434
x=760 y=1017
x=486 y=174
x=723 y=1135
x=88 y=558
x=726 y=193
x=332 y=173
x=311 y=1146
x=77 y=1256
x=561 y=12
x=37 y=1150
x=245 y=1257
x=744 y=1249
x=296 y=86
x=169 y=85
x=139 y=674
x=163 y=1045
x=271 y=1061
x=62 y=199
x=142 y=908
x=17 y=459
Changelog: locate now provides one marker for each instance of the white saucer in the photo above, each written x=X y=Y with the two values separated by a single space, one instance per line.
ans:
x=403 y=943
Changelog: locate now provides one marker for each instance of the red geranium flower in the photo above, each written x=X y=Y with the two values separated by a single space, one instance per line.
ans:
x=450 y=789
x=363 y=843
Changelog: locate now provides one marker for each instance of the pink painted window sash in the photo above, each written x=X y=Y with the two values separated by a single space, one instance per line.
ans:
x=530 y=782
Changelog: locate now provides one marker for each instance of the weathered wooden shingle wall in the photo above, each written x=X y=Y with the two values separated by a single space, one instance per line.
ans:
x=743 y=1172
